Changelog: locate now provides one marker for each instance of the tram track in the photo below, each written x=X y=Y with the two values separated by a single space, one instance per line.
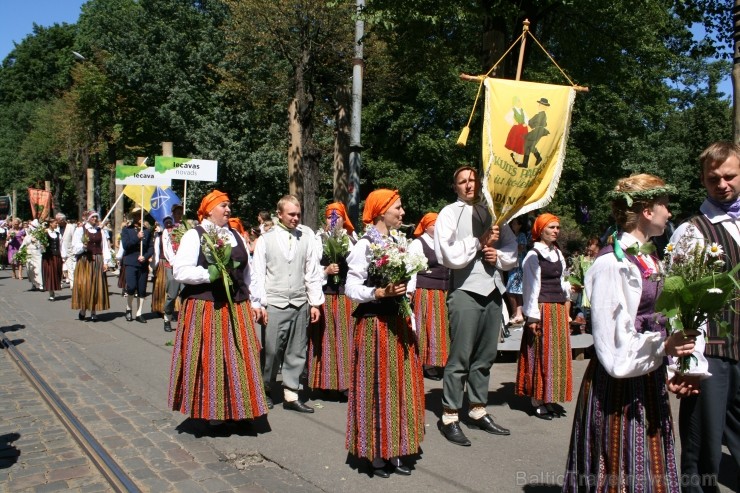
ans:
x=116 y=477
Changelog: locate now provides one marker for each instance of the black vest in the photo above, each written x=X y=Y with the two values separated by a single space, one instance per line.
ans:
x=437 y=276
x=551 y=273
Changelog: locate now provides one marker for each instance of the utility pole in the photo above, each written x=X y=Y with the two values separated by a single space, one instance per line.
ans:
x=736 y=72
x=355 y=143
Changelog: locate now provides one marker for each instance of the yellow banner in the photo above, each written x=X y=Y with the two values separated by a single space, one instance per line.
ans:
x=525 y=129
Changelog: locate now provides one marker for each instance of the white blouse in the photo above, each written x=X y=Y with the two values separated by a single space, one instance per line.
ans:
x=78 y=247
x=615 y=289
x=531 y=279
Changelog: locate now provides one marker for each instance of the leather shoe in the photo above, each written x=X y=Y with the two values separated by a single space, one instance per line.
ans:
x=297 y=406
x=80 y=316
x=140 y=319
x=432 y=374
x=542 y=413
x=129 y=317
x=402 y=470
x=454 y=434
x=93 y=318
x=167 y=326
x=270 y=405
x=486 y=424
x=380 y=472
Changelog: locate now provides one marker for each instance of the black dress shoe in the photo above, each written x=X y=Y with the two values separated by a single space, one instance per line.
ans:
x=129 y=317
x=297 y=406
x=402 y=470
x=270 y=405
x=93 y=318
x=140 y=319
x=432 y=374
x=486 y=424
x=167 y=326
x=454 y=434
x=80 y=316
x=542 y=413
x=380 y=472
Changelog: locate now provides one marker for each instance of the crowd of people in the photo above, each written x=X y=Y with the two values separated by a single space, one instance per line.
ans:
x=323 y=308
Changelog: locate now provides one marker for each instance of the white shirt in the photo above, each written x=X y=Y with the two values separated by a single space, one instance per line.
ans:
x=358 y=260
x=531 y=279
x=692 y=234
x=615 y=289
x=185 y=268
x=66 y=248
x=167 y=251
x=312 y=273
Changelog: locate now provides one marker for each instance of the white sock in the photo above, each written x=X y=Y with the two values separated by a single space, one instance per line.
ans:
x=477 y=412
x=448 y=418
x=289 y=395
x=129 y=303
x=141 y=307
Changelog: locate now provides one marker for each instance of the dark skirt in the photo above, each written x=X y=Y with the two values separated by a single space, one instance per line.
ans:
x=159 y=289
x=51 y=269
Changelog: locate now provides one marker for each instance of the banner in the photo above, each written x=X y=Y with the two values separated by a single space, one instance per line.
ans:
x=140 y=175
x=182 y=168
x=40 y=203
x=161 y=203
x=5 y=206
x=525 y=129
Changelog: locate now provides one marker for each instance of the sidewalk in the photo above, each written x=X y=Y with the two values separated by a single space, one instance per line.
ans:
x=114 y=375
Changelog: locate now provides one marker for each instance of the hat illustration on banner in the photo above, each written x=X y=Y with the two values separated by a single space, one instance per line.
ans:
x=544 y=102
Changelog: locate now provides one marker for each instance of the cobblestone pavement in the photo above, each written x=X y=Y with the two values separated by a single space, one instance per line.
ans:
x=114 y=375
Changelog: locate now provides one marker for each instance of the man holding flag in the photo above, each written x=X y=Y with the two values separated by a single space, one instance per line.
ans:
x=138 y=248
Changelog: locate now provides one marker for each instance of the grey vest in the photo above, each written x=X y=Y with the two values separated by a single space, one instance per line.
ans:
x=285 y=279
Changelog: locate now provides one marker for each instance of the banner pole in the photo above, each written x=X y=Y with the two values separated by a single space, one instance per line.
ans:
x=141 y=225
x=519 y=65
x=111 y=209
x=185 y=198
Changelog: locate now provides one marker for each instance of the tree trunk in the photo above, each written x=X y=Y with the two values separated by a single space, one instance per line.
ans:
x=295 y=152
x=736 y=73
x=341 y=145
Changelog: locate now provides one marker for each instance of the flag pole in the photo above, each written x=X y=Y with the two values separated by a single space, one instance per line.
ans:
x=141 y=224
x=525 y=31
x=111 y=209
x=185 y=198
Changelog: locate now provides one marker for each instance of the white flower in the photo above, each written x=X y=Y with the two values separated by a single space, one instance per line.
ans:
x=714 y=291
x=715 y=250
x=669 y=249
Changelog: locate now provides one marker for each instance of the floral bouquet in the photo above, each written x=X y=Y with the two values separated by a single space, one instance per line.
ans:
x=41 y=236
x=336 y=243
x=696 y=289
x=391 y=262
x=216 y=247
x=21 y=256
x=177 y=234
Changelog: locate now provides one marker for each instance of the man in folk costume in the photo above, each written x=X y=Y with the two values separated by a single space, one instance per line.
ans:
x=68 y=254
x=138 y=248
x=475 y=251
x=285 y=288
x=169 y=249
x=34 y=250
x=713 y=416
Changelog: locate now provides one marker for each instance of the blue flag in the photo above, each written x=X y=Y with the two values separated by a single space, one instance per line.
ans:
x=162 y=201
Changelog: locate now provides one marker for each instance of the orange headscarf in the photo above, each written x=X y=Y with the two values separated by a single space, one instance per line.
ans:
x=236 y=224
x=209 y=202
x=429 y=219
x=342 y=211
x=377 y=203
x=540 y=223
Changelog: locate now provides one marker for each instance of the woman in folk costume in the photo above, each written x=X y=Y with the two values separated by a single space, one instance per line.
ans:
x=159 y=285
x=544 y=370
x=385 y=411
x=622 y=437
x=16 y=234
x=51 y=260
x=90 y=290
x=215 y=372
x=430 y=301
x=330 y=340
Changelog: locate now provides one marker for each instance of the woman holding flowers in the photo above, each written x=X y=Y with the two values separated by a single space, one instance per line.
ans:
x=51 y=259
x=622 y=436
x=215 y=372
x=544 y=370
x=430 y=301
x=330 y=340
x=15 y=239
x=90 y=290
x=385 y=413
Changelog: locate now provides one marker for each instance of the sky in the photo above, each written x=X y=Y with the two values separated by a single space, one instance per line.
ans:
x=18 y=16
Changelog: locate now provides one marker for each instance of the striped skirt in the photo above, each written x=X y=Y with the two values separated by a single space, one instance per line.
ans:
x=432 y=330
x=385 y=409
x=51 y=272
x=90 y=290
x=215 y=371
x=622 y=437
x=159 y=289
x=330 y=345
x=544 y=370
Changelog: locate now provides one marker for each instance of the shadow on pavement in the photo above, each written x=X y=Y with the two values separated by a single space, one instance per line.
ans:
x=542 y=488
x=12 y=328
x=8 y=453
x=503 y=396
x=202 y=428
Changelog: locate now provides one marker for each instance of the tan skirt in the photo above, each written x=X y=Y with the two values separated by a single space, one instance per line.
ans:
x=90 y=290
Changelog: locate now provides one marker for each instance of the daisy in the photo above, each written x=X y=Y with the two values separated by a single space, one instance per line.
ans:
x=714 y=291
x=715 y=250
x=669 y=248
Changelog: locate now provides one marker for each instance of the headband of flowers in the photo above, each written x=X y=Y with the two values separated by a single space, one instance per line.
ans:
x=650 y=194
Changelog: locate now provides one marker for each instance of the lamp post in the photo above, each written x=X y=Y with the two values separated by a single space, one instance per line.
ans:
x=355 y=143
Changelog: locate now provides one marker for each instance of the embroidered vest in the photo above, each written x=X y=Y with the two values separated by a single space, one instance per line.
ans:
x=723 y=347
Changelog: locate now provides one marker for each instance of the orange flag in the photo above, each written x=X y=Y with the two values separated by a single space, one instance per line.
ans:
x=40 y=203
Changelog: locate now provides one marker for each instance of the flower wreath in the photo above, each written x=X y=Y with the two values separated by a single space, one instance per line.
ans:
x=630 y=196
